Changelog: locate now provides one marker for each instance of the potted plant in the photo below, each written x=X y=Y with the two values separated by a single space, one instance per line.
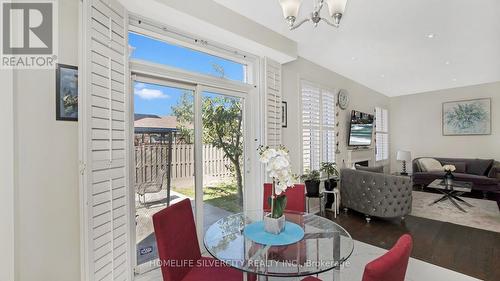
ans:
x=279 y=169
x=311 y=180
x=448 y=177
x=330 y=169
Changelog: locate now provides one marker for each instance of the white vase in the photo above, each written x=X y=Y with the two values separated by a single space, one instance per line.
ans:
x=274 y=226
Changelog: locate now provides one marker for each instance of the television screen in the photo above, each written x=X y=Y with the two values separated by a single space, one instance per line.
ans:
x=361 y=129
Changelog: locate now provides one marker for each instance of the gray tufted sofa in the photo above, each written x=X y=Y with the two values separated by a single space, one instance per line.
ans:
x=376 y=194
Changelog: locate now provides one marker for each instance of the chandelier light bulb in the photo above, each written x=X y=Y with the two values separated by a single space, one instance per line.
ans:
x=336 y=7
x=290 y=8
x=291 y=11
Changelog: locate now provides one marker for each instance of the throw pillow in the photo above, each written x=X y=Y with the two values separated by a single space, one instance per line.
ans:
x=479 y=167
x=377 y=169
x=430 y=165
x=495 y=171
x=419 y=167
x=461 y=167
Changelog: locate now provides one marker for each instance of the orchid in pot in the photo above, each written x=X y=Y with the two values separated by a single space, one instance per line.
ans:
x=279 y=169
x=448 y=177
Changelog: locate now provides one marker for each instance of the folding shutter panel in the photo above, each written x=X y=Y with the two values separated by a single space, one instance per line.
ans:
x=382 y=146
x=381 y=131
x=272 y=70
x=310 y=126
x=105 y=141
x=328 y=125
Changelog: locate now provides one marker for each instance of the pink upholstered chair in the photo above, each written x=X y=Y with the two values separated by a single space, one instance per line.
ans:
x=295 y=197
x=393 y=264
x=179 y=251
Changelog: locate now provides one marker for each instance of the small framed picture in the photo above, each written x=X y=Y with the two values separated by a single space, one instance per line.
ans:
x=284 y=114
x=66 y=93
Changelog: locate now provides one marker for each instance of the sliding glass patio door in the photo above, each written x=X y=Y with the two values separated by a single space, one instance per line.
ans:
x=163 y=156
x=223 y=141
x=189 y=142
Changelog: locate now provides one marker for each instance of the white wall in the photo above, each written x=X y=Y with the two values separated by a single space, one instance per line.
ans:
x=362 y=99
x=416 y=125
x=47 y=223
x=7 y=176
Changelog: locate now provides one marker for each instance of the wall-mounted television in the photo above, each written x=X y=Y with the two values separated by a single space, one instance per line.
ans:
x=361 y=129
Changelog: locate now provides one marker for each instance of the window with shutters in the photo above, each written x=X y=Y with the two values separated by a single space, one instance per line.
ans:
x=318 y=125
x=382 y=134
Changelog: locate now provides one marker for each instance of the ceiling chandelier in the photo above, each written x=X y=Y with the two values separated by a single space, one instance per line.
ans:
x=291 y=10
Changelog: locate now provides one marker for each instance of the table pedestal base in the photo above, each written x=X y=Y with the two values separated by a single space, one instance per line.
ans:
x=452 y=195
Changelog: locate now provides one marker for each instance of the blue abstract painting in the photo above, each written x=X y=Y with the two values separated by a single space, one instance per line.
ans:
x=468 y=117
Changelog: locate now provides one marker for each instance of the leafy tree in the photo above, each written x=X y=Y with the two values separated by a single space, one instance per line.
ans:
x=222 y=127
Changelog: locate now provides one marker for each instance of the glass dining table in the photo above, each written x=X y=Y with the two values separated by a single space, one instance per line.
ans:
x=324 y=246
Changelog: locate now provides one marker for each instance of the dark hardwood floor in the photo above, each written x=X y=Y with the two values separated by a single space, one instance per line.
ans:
x=470 y=251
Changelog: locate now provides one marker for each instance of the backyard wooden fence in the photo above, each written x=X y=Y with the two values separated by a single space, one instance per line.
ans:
x=152 y=159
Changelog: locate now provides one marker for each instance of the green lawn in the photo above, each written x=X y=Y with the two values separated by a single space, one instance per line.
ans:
x=224 y=196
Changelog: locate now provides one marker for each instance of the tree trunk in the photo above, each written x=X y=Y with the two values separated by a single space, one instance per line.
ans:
x=239 y=179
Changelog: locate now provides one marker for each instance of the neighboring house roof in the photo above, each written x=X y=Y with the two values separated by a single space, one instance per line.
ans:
x=148 y=125
x=139 y=116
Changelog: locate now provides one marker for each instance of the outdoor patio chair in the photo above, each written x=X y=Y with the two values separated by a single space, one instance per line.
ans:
x=153 y=186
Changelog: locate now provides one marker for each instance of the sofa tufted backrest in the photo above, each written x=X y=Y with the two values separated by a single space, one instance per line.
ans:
x=375 y=194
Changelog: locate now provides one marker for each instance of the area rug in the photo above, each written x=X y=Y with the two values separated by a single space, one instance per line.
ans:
x=483 y=215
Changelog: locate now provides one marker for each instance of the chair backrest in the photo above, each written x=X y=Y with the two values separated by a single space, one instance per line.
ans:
x=295 y=197
x=393 y=264
x=176 y=239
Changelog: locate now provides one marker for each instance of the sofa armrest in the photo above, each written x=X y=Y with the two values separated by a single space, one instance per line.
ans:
x=376 y=194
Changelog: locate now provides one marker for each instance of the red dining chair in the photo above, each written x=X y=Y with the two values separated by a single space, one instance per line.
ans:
x=179 y=251
x=393 y=264
x=295 y=202
x=389 y=267
x=295 y=197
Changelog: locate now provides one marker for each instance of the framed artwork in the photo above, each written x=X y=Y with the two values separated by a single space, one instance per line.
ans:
x=66 y=92
x=467 y=117
x=284 y=114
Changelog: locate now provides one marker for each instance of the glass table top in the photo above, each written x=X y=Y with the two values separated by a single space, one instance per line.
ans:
x=462 y=186
x=325 y=246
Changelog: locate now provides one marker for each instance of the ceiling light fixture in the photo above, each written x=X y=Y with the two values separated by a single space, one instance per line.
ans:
x=431 y=35
x=291 y=8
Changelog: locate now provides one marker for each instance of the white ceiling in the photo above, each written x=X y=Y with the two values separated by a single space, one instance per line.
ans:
x=384 y=44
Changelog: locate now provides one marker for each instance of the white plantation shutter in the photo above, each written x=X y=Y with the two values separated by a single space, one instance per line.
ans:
x=310 y=126
x=318 y=126
x=105 y=127
x=382 y=134
x=272 y=70
x=328 y=126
